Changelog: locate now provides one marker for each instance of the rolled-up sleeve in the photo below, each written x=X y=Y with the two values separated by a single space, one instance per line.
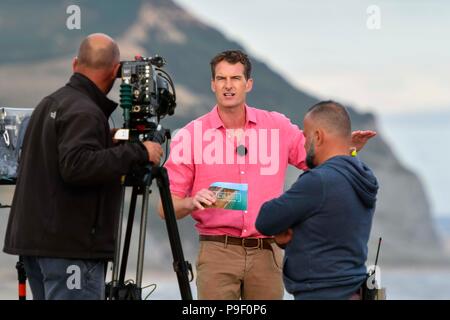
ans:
x=180 y=166
x=297 y=152
x=83 y=158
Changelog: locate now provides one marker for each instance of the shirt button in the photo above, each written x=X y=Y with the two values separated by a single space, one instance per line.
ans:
x=245 y=230
x=245 y=211
x=242 y=172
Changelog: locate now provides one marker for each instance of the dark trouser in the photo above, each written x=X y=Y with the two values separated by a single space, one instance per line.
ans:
x=65 y=279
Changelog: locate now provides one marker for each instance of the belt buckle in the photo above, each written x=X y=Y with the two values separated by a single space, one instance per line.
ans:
x=259 y=245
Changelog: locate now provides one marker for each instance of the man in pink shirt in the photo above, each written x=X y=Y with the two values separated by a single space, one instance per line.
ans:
x=222 y=167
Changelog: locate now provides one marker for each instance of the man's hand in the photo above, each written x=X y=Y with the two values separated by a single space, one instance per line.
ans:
x=154 y=151
x=360 y=138
x=203 y=196
x=113 y=132
x=184 y=206
x=283 y=238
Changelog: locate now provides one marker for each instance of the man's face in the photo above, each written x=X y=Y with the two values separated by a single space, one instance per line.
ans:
x=230 y=85
x=111 y=84
x=310 y=155
x=309 y=143
x=113 y=76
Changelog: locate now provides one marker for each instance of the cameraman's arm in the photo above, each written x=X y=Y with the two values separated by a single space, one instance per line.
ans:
x=83 y=156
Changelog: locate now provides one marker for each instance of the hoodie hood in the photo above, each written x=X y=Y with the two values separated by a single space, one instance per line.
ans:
x=358 y=175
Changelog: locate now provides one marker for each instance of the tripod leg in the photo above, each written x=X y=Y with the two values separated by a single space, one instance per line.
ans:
x=22 y=277
x=127 y=241
x=181 y=266
x=142 y=234
x=115 y=271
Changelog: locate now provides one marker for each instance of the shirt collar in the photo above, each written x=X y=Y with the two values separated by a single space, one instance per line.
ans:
x=84 y=84
x=216 y=122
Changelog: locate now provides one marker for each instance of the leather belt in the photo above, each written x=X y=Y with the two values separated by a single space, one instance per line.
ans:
x=257 y=243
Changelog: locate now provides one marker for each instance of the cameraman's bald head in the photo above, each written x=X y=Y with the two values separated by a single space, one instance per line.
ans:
x=99 y=60
x=331 y=117
x=98 y=51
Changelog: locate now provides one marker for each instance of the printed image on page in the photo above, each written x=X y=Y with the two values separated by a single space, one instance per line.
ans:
x=230 y=196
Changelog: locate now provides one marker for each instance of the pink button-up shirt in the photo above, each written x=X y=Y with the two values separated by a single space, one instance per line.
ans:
x=204 y=152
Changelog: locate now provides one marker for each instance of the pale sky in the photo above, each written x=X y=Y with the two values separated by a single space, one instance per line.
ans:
x=327 y=49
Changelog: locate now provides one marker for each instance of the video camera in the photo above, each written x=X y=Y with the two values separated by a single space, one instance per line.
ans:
x=147 y=94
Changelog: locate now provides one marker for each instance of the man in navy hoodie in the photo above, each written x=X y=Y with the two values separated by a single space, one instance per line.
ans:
x=326 y=216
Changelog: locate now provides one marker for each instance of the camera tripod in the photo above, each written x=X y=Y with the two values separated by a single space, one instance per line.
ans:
x=141 y=181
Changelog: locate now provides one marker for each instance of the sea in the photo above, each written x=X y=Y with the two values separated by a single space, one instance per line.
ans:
x=421 y=141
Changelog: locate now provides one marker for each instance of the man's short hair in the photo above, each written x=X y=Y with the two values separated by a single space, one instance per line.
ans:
x=233 y=57
x=98 y=57
x=333 y=116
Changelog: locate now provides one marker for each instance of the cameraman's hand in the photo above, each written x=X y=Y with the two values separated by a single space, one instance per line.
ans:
x=113 y=132
x=154 y=151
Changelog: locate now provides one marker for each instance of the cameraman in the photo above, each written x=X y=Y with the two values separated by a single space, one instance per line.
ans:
x=67 y=198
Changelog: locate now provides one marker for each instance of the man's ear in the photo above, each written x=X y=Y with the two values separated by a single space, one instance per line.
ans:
x=116 y=70
x=74 y=64
x=249 y=85
x=319 y=136
x=213 y=86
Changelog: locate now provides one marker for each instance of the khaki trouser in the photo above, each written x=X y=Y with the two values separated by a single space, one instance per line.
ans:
x=231 y=272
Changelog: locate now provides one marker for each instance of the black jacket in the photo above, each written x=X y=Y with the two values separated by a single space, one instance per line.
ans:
x=67 y=196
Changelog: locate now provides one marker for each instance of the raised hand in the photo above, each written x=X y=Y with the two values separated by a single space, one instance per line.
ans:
x=360 y=138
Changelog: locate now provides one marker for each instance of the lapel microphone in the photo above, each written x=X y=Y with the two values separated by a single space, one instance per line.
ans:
x=241 y=150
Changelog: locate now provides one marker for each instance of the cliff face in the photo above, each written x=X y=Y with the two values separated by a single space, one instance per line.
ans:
x=403 y=216
x=41 y=63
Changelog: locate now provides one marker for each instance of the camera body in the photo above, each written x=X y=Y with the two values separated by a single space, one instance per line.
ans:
x=147 y=95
